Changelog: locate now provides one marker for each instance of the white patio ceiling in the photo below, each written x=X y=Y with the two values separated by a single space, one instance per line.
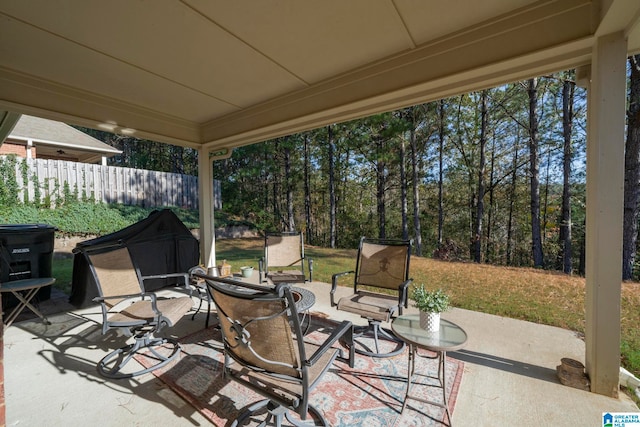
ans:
x=214 y=74
x=229 y=73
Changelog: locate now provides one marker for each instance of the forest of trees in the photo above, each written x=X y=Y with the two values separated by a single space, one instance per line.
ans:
x=480 y=176
x=495 y=176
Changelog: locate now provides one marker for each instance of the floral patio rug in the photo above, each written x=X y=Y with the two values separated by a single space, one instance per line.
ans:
x=368 y=395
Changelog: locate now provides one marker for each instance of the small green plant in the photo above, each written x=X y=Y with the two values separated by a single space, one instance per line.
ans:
x=429 y=301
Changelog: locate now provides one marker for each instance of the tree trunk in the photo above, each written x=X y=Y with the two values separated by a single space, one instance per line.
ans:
x=631 y=172
x=477 y=242
x=536 y=238
x=380 y=189
x=440 y=172
x=568 y=89
x=307 y=190
x=403 y=190
x=489 y=255
x=512 y=198
x=417 y=226
x=332 y=188
x=291 y=226
x=265 y=179
x=545 y=199
x=177 y=161
x=276 y=191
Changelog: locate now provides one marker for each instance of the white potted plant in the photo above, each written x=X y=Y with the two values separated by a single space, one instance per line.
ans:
x=430 y=304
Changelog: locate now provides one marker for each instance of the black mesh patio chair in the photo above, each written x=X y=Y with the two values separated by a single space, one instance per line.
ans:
x=380 y=283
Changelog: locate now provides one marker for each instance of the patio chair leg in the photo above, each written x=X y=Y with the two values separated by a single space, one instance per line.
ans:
x=315 y=414
x=196 y=311
x=278 y=414
x=375 y=339
x=375 y=331
x=112 y=364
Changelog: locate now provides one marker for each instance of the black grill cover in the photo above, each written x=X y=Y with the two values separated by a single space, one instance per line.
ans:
x=159 y=244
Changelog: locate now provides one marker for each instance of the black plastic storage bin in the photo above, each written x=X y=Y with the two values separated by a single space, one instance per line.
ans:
x=26 y=251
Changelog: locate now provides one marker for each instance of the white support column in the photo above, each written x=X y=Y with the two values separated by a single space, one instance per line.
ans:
x=205 y=195
x=605 y=196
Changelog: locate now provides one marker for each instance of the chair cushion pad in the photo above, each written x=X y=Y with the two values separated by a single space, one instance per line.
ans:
x=172 y=309
x=286 y=276
x=370 y=305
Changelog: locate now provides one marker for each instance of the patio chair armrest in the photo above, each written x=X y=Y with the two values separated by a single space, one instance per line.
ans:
x=344 y=328
x=403 y=297
x=334 y=284
x=125 y=296
x=141 y=295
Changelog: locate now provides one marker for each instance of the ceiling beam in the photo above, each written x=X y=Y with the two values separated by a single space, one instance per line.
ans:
x=8 y=121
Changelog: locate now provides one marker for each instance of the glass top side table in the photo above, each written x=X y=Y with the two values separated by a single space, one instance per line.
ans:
x=450 y=337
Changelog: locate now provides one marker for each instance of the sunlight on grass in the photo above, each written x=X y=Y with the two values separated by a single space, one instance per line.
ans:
x=528 y=294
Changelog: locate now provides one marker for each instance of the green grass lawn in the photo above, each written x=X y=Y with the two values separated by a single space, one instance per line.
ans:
x=529 y=294
x=62 y=270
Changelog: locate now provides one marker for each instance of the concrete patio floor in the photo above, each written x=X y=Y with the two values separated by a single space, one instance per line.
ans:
x=509 y=374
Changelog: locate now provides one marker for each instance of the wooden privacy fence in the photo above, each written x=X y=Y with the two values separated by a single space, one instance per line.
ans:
x=110 y=184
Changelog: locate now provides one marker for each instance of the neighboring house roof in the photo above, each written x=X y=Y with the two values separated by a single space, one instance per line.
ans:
x=57 y=136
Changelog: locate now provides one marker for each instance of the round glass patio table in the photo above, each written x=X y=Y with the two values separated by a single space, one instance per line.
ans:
x=450 y=337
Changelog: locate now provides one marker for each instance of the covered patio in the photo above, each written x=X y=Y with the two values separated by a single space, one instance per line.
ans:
x=509 y=374
x=218 y=75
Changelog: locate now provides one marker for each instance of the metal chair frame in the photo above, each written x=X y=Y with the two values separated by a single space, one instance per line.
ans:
x=265 y=349
x=284 y=259
x=374 y=277
x=136 y=313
